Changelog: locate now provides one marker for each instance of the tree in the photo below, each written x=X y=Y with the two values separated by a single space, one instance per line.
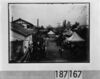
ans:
x=68 y=25
x=64 y=23
x=42 y=27
x=75 y=25
x=49 y=27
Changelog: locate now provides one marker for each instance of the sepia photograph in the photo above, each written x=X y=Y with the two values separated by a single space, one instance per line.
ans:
x=49 y=32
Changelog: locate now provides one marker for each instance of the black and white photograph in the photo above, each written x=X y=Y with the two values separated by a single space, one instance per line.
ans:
x=49 y=32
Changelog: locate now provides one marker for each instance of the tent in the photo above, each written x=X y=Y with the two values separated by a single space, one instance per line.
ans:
x=75 y=38
x=51 y=32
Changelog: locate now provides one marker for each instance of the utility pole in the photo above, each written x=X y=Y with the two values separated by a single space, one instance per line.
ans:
x=12 y=19
x=37 y=22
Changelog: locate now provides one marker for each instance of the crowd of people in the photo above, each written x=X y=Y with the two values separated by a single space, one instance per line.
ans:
x=36 y=50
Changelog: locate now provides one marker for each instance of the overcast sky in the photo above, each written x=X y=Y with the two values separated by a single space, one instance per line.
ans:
x=50 y=14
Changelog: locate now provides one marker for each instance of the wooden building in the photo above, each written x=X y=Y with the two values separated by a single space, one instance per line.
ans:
x=20 y=37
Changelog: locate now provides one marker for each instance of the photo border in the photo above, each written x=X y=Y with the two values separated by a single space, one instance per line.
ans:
x=88 y=61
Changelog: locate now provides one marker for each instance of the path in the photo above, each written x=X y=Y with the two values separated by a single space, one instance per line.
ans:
x=52 y=50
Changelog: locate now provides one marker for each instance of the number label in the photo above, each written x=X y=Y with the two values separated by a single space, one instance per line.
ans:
x=68 y=74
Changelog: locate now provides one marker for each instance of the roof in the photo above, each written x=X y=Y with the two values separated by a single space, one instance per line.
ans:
x=23 y=21
x=74 y=38
x=51 y=32
x=21 y=30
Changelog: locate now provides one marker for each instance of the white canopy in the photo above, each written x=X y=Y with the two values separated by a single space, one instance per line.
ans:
x=74 y=38
x=14 y=39
x=50 y=32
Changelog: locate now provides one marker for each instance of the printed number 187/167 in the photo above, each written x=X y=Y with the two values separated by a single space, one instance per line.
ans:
x=68 y=74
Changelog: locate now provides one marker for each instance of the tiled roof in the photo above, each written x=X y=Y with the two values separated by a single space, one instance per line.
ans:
x=23 y=21
x=21 y=30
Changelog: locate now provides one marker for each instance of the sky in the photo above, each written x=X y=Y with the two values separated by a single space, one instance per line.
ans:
x=50 y=14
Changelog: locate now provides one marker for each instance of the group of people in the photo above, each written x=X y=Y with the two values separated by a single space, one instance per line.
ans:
x=35 y=51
